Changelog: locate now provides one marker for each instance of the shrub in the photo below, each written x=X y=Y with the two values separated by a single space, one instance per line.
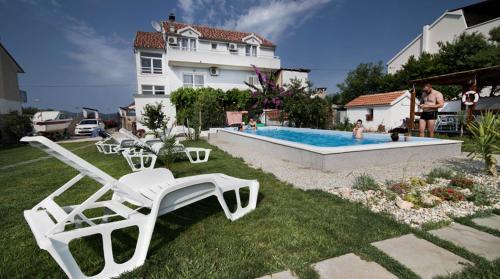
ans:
x=365 y=182
x=400 y=188
x=462 y=182
x=439 y=172
x=15 y=127
x=448 y=194
x=417 y=182
x=481 y=195
x=486 y=136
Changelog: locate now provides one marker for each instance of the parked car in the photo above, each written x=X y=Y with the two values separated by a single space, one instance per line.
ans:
x=86 y=126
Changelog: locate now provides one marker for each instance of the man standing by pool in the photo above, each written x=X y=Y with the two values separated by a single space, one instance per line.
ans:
x=430 y=102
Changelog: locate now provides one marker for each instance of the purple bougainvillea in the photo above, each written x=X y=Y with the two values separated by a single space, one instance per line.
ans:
x=269 y=94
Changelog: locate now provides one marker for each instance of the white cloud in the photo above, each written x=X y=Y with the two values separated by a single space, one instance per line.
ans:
x=272 y=19
x=105 y=59
x=275 y=18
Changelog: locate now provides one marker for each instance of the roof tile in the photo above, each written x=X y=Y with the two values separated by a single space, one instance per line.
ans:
x=375 y=99
x=155 y=40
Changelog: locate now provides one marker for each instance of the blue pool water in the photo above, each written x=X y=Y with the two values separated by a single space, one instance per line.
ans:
x=323 y=138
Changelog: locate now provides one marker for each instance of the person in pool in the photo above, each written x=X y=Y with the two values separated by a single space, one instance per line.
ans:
x=252 y=123
x=431 y=101
x=357 y=132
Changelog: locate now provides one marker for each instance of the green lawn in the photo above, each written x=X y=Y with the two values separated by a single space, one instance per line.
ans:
x=290 y=229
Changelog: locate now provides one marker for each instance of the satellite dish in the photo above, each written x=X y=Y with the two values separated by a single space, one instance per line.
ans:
x=156 y=25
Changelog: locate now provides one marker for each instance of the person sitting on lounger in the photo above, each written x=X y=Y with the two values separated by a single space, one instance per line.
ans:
x=357 y=132
x=252 y=123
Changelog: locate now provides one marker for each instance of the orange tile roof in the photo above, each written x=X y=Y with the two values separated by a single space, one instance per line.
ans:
x=375 y=99
x=149 y=40
x=155 y=40
x=217 y=34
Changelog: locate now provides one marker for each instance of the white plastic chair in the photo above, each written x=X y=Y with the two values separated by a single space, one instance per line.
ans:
x=156 y=189
x=115 y=145
x=141 y=160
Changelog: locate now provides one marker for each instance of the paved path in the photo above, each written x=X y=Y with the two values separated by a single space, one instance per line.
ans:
x=478 y=242
x=424 y=258
x=27 y=162
x=351 y=266
x=492 y=222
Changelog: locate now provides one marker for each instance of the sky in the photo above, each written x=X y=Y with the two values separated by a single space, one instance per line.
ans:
x=80 y=53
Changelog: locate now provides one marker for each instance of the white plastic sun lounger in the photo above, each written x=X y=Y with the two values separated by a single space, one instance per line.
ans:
x=115 y=145
x=156 y=189
x=145 y=159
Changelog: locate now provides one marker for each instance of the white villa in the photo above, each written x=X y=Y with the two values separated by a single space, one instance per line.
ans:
x=480 y=17
x=388 y=109
x=181 y=54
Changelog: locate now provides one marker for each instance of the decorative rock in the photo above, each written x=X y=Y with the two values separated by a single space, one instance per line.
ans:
x=345 y=192
x=430 y=200
x=404 y=204
x=466 y=192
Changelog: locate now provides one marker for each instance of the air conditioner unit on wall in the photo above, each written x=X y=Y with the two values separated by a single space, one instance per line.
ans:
x=172 y=40
x=214 y=71
x=233 y=47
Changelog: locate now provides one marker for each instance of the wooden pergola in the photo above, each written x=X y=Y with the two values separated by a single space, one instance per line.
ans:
x=489 y=76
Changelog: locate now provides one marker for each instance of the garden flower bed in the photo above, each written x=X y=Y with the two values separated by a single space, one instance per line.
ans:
x=439 y=197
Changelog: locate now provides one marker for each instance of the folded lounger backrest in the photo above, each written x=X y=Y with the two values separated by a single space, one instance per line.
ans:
x=85 y=168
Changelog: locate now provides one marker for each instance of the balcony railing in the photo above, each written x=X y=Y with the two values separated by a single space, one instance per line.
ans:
x=222 y=51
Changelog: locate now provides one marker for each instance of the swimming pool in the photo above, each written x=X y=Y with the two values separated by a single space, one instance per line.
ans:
x=324 y=138
x=332 y=150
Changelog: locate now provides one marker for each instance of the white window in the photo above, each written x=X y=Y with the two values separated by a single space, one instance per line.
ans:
x=250 y=50
x=151 y=63
x=253 y=80
x=193 y=80
x=188 y=44
x=153 y=89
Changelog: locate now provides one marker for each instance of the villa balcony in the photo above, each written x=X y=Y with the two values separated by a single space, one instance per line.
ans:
x=179 y=57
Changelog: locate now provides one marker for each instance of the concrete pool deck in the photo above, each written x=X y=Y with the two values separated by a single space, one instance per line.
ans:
x=305 y=177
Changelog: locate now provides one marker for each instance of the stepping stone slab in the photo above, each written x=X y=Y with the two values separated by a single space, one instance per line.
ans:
x=351 y=266
x=287 y=274
x=478 y=242
x=422 y=257
x=492 y=222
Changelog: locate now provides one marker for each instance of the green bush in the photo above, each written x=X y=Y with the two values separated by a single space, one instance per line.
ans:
x=462 y=182
x=15 y=127
x=417 y=182
x=448 y=194
x=205 y=107
x=400 y=188
x=439 y=172
x=486 y=136
x=365 y=182
x=481 y=195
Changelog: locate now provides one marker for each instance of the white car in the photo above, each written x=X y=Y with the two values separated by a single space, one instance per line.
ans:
x=87 y=126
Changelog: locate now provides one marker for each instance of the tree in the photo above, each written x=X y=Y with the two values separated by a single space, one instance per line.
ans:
x=154 y=118
x=303 y=109
x=367 y=78
x=466 y=52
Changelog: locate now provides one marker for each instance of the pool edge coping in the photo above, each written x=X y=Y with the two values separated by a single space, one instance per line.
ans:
x=344 y=149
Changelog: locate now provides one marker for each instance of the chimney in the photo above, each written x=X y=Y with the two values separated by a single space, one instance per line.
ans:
x=171 y=17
